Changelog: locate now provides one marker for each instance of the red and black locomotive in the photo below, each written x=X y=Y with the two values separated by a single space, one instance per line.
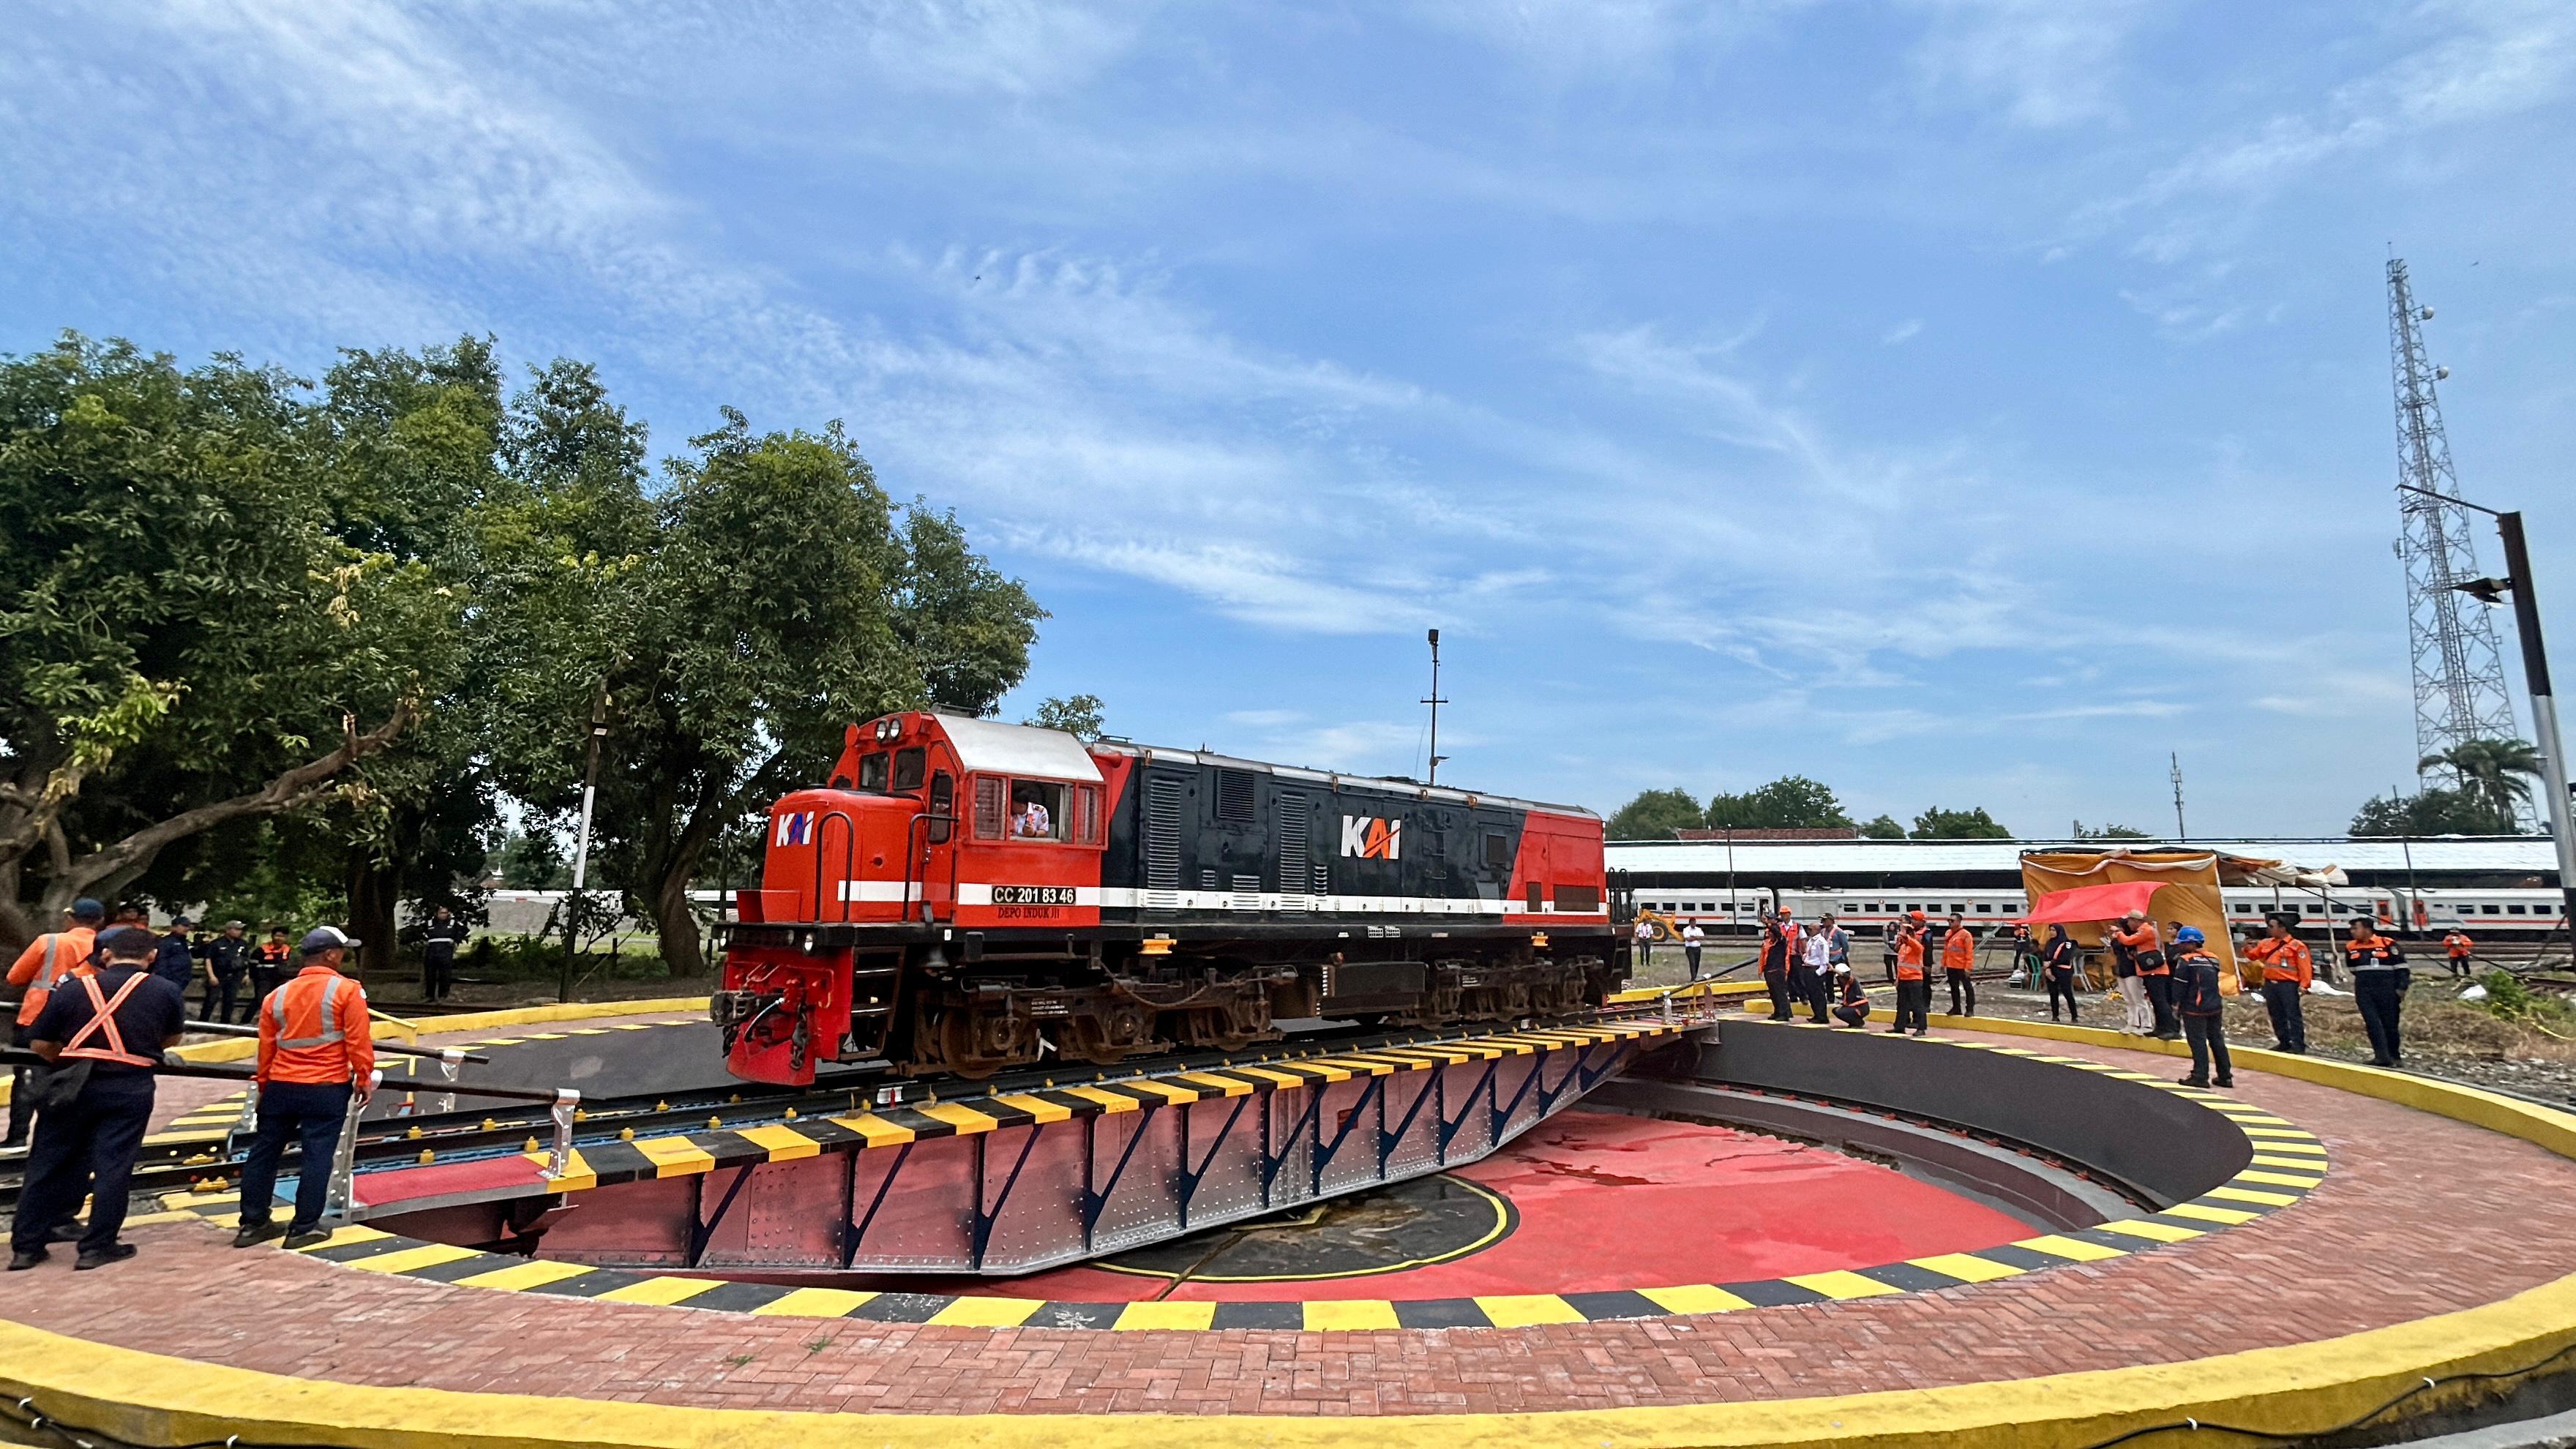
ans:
x=963 y=896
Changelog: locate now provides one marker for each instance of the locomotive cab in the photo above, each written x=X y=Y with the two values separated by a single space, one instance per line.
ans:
x=866 y=894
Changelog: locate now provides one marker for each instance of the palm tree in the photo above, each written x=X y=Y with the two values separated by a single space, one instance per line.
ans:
x=2491 y=770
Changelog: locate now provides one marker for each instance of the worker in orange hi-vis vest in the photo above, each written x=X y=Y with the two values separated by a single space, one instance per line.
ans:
x=2456 y=948
x=49 y=961
x=2286 y=973
x=1913 y=989
x=316 y=1050
x=1958 y=958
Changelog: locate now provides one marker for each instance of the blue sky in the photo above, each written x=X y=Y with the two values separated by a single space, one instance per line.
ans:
x=1962 y=403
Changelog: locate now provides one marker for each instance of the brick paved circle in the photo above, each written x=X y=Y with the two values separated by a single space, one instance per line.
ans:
x=2405 y=1227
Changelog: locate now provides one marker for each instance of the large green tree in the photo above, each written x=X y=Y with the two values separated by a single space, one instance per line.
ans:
x=1655 y=815
x=2430 y=812
x=1790 y=802
x=1939 y=824
x=769 y=597
x=188 y=636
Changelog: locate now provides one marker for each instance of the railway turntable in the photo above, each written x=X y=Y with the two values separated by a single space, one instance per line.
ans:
x=1749 y=1233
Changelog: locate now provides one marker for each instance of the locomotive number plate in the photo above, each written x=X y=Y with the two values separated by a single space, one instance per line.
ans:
x=1006 y=895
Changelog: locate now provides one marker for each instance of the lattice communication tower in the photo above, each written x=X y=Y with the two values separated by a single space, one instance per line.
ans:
x=2459 y=672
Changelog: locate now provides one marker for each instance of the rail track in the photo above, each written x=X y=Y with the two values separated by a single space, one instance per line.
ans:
x=457 y=1133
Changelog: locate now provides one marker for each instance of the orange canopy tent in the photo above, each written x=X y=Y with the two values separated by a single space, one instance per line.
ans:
x=2094 y=902
x=2107 y=884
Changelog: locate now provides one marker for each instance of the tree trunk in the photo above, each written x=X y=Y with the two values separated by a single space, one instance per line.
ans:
x=673 y=868
x=375 y=888
x=677 y=925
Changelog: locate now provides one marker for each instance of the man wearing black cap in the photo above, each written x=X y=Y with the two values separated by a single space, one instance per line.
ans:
x=227 y=957
x=101 y=1034
x=175 y=959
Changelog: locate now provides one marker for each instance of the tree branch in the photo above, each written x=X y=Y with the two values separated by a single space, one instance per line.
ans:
x=295 y=787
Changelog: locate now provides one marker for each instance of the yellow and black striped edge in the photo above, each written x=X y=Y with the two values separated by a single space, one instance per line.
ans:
x=607 y=1163
x=2286 y=1164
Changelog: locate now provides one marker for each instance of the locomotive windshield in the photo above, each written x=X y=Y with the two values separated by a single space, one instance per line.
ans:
x=909 y=766
x=872 y=772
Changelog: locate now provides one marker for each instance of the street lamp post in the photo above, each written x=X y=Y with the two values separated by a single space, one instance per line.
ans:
x=2535 y=675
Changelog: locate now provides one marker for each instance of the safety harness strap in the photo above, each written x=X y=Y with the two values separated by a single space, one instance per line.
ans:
x=103 y=1023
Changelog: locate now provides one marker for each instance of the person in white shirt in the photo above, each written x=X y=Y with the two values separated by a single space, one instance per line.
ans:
x=1033 y=823
x=1692 y=938
x=1827 y=947
x=1645 y=934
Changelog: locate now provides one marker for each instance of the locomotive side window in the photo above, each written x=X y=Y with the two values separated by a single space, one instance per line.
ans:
x=908 y=768
x=1498 y=852
x=990 y=791
x=943 y=800
x=1037 y=810
x=872 y=772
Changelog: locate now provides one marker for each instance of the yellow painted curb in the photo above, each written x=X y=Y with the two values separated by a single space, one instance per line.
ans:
x=1634 y=995
x=234 y=1049
x=2290 y=1391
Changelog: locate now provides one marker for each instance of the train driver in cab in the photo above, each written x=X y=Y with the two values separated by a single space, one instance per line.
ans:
x=1029 y=817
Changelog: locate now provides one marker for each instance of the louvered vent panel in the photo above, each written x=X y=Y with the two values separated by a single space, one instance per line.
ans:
x=1162 y=845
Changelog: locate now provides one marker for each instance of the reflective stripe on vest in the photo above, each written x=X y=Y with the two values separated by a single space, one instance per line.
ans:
x=51 y=973
x=330 y=1018
x=104 y=1023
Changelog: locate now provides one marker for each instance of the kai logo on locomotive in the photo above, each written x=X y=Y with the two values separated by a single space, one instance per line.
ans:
x=1367 y=837
x=796 y=827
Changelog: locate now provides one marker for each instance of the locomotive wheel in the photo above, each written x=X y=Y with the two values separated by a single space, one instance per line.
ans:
x=1106 y=1031
x=975 y=1044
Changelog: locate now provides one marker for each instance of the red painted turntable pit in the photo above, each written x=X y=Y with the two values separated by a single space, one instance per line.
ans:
x=1607 y=1202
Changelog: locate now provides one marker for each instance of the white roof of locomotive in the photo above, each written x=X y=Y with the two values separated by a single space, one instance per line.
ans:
x=988 y=746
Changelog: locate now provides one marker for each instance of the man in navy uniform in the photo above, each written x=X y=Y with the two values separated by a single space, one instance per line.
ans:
x=112 y=1026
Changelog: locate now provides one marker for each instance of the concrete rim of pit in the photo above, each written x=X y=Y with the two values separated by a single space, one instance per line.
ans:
x=2286 y=1391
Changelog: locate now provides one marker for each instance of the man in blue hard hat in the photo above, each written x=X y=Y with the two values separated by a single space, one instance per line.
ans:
x=2200 y=1003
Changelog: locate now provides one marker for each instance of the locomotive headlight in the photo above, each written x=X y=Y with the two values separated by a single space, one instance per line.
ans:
x=889 y=729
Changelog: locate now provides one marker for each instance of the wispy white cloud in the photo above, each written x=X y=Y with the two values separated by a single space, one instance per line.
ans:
x=1568 y=38
x=1904 y=331
x=2042 y=63
x=2471 y=62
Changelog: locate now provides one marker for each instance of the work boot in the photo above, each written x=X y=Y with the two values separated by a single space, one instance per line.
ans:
x=2226 y=1083
x=70 y=1232
x=252 y=1235
x=26 y=1258
x=307 y=1238
x=112 y=1253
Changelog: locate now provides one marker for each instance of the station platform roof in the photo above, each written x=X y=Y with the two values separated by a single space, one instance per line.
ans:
x=2531 y=853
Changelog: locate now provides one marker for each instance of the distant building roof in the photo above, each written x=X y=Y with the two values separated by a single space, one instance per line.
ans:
x=2531 y=854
